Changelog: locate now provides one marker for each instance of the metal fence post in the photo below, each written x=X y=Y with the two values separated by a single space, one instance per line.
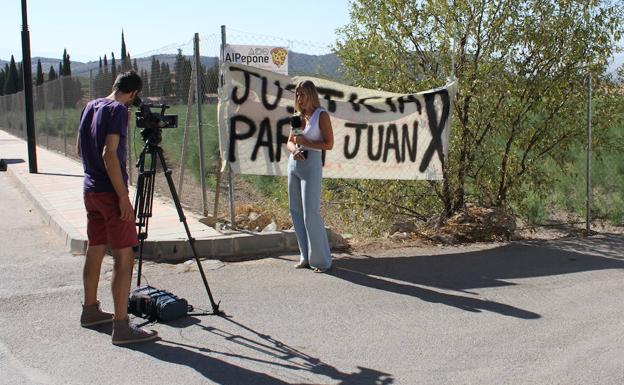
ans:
x=229 y=169
x=200 y=94
x=589 y=154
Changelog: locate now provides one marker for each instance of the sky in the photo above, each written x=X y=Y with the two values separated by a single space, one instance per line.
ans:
x=90 y=29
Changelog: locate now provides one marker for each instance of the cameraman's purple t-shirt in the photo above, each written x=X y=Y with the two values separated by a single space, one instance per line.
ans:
x=102 y=117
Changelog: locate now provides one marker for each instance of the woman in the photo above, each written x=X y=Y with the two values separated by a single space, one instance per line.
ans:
x=305 y=171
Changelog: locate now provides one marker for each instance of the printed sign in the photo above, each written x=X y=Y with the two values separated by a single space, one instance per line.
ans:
x=377 y=134
x=265 y=57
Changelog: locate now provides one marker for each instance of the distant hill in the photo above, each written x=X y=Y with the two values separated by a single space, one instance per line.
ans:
x=326 y=66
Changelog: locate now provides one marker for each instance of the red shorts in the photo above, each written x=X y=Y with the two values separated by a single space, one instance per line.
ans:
x=104 y=224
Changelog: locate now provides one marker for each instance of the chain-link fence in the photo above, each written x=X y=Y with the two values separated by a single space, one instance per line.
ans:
x=172 y=76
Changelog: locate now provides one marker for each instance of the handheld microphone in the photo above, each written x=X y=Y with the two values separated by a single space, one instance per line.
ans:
x=296 y=124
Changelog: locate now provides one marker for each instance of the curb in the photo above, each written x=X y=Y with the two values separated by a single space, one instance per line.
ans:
x=232 y=245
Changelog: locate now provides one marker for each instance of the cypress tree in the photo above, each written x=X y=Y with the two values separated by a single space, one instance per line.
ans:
x=39 y=96
x=60 y=71
x=123 y=46
x=20 y=77
x=155 y=89
x=66 y=64
x=2 y=79
x=113 y=67
x=52 y=74
x=165 y=74
x=135 y=66
x=11 y=83
x=39 y=77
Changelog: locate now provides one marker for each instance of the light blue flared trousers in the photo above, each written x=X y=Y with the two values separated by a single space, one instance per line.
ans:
x=304 y=200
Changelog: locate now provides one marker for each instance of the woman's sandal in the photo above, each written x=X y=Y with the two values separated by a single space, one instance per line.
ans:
x=317 y=270
x=302 y=265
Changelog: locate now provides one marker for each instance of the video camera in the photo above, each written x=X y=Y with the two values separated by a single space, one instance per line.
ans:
x=152 y=123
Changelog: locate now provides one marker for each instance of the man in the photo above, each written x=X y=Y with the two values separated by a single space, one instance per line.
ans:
x=110 y=217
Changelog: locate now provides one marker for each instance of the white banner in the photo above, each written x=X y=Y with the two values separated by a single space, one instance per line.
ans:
x=268 y=58
x=377 y=135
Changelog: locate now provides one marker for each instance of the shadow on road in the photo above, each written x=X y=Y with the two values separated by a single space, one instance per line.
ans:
x=417 y=275
x=263 y=350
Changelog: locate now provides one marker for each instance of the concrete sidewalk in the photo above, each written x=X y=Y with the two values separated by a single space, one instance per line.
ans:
x=57 y=191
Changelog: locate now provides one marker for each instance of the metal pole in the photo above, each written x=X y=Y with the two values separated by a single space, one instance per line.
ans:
x=199 y=96
x=28 y=97
x=229 y=169
x=589 y=154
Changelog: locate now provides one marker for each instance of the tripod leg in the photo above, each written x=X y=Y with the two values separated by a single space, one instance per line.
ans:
x=143 y=201
x=176 y=200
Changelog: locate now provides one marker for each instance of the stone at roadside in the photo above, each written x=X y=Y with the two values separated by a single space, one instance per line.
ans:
x=403 y=227
x=270 y=227
x=338 y=242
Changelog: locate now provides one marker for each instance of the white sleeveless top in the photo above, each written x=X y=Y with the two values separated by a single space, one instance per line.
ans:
x=312 y=131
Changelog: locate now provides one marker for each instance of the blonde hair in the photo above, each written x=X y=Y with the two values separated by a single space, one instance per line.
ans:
x=309 y=89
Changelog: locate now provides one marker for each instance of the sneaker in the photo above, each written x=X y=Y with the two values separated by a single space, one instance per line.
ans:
x=92 y=315
x=126 y=333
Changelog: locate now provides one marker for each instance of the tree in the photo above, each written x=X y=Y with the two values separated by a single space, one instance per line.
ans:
x=521 y=66
x=155 y=89
x=52 y=74
x=3 y=73
x=39 y=78
x=165 y=79
x=146 y=82
x=66 y=64
x=11 y=83
x=125 y=57
x=113 y=67
x=20 y=77
x=182 y=70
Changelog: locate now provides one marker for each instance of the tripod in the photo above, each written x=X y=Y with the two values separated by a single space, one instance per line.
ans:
x=143 y=206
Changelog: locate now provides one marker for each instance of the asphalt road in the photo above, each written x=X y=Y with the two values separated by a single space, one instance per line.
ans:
x=516 y=313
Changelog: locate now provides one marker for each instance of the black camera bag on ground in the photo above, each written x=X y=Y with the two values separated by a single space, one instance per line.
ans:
x=156 y=305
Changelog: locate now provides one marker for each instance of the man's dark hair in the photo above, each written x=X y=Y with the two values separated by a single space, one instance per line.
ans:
x=127 y=82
